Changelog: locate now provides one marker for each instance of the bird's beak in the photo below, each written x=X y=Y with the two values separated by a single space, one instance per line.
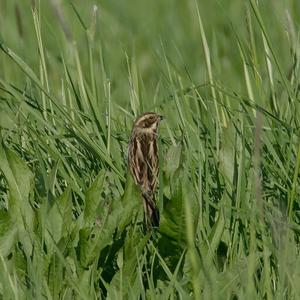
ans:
x=161 y=117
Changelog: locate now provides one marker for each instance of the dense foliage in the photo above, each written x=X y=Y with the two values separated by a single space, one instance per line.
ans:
x=75 y=74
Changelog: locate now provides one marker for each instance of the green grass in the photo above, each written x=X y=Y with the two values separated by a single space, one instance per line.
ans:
x=74 y=75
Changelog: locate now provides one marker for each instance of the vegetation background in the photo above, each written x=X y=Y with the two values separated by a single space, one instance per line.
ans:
x=75 y=74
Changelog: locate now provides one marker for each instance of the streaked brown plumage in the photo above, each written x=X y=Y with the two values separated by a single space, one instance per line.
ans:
x=143 y=162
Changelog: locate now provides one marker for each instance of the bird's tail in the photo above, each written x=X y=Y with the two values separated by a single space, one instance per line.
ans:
x=151 y=212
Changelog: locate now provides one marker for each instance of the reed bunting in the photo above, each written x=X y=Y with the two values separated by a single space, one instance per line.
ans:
x=143 y=162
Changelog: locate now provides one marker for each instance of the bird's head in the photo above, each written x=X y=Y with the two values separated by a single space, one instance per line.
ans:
x=148 y=121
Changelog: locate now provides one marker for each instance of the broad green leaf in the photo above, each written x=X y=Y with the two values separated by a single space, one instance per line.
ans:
x=59 y=222
x=131 y=204
x=114 y=217
x=215 y=235
x=8 y=284
x=8 y=231
x=7 y=119
x=94 y=199
x=96 y=237
x=125 y=280
x=173 y=222
x=20 y=181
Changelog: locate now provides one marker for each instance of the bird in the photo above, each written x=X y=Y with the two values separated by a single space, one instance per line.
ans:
x=143 y=162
